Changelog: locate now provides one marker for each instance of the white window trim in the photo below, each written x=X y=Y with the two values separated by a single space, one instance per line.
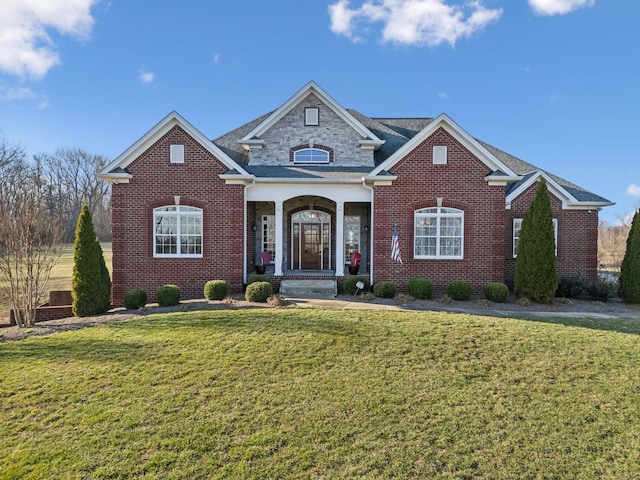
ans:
x=313 y=162
x=179 y=214
x=439 y=214
x=518 y=221
x=176 y=154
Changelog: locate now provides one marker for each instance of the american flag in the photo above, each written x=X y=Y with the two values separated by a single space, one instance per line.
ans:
x=395 y=246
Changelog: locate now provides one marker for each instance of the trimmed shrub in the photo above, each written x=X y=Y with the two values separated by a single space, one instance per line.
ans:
x=602 y=291
x=258 y=292
x=350 y=284
x=134 y=299
x=384 y=289
x=256 y=278
x=168 y=295
x=216 y=290
x=459 y=290
x=630 y=268
x=419 y=287
x=536 y=276
x=496 y=292
x=571 y=286
x=90 y=285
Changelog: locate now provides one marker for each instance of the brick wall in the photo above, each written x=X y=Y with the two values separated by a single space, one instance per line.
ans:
x=577 y=238
x=461 y=184
x=155 y=182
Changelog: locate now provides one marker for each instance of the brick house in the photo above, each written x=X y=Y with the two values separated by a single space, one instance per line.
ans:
x=311 y=183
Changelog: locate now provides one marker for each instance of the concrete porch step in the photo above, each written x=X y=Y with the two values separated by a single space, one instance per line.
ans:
x=314 y=287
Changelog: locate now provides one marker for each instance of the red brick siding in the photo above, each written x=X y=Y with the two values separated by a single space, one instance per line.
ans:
x=461 y=184
x=577 y=238
x=155 y=182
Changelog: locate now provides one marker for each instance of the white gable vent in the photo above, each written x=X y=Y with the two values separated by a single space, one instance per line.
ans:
x=177 y=154
x=439 y=155
x=312 y=116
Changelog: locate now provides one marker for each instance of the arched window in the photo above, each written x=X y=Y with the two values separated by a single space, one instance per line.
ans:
x=177 y=231
x=438 y=233
x=311 y=155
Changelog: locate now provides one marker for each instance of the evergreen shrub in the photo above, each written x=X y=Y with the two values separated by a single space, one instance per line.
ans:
x=571 y=286
x=536 y=261
x=496 y=292
x=384 y=289
x=601 y=291
x=134 y=299
x=90 y=284
x=419 y=287
x=168 y=295
x=459 y=290
x=256 y=278
x=630 y=268
x=216 y=290
x=350 y=284
x=258 y=292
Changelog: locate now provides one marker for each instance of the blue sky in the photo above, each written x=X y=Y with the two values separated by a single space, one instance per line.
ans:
x=554 y=82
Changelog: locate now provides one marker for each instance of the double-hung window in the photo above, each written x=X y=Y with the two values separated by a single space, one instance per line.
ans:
x=177 y=231
x=517 y=226
x=438 y=233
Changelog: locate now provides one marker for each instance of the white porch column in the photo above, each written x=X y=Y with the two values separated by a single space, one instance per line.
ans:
x=339 y=239
x=279 y=241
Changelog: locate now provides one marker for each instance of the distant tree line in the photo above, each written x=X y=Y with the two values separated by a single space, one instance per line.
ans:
x=65 y=181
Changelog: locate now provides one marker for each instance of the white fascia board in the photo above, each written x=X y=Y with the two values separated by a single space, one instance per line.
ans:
x=385 y=180
x=500 y=180
x=445 y=122
x=311 y=87
x=115 y=177
x=554 y=187
x=589 y=205
x=161 y=128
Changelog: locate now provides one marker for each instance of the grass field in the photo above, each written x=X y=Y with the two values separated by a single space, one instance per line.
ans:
x=313 y=393
x=60 y=276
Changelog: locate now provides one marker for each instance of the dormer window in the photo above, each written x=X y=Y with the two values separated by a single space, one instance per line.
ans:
x=310 y=155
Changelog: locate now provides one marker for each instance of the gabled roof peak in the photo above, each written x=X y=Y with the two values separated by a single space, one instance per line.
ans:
x=311 y=88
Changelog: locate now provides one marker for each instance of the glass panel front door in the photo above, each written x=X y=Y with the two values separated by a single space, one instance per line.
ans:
x=311 y=246
x=311 y=240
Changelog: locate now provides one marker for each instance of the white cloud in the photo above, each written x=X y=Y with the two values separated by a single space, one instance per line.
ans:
x=634 y=190
x=8 y=94
x=558 y=7
x=26 y=49
x=216 y=58
x=413 y=22
x=146 y=77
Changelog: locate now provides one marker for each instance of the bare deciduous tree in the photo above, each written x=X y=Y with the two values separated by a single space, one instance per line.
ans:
x=30 y=233
x=69 y=173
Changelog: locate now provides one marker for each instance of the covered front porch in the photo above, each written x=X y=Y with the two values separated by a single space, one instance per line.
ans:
x=310 y=236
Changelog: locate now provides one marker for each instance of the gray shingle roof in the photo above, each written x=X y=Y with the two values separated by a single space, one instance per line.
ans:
x=308 y=171
x=395 y=132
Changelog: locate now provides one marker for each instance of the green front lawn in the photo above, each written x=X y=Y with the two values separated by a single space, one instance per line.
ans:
x=312 y=393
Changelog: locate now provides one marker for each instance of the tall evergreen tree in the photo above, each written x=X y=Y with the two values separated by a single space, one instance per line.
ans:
x=630 y=269
x=91 y=285
x=536 y=262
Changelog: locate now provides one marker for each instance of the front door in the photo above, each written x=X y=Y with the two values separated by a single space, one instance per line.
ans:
x=310 y=240
x=311 y=246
